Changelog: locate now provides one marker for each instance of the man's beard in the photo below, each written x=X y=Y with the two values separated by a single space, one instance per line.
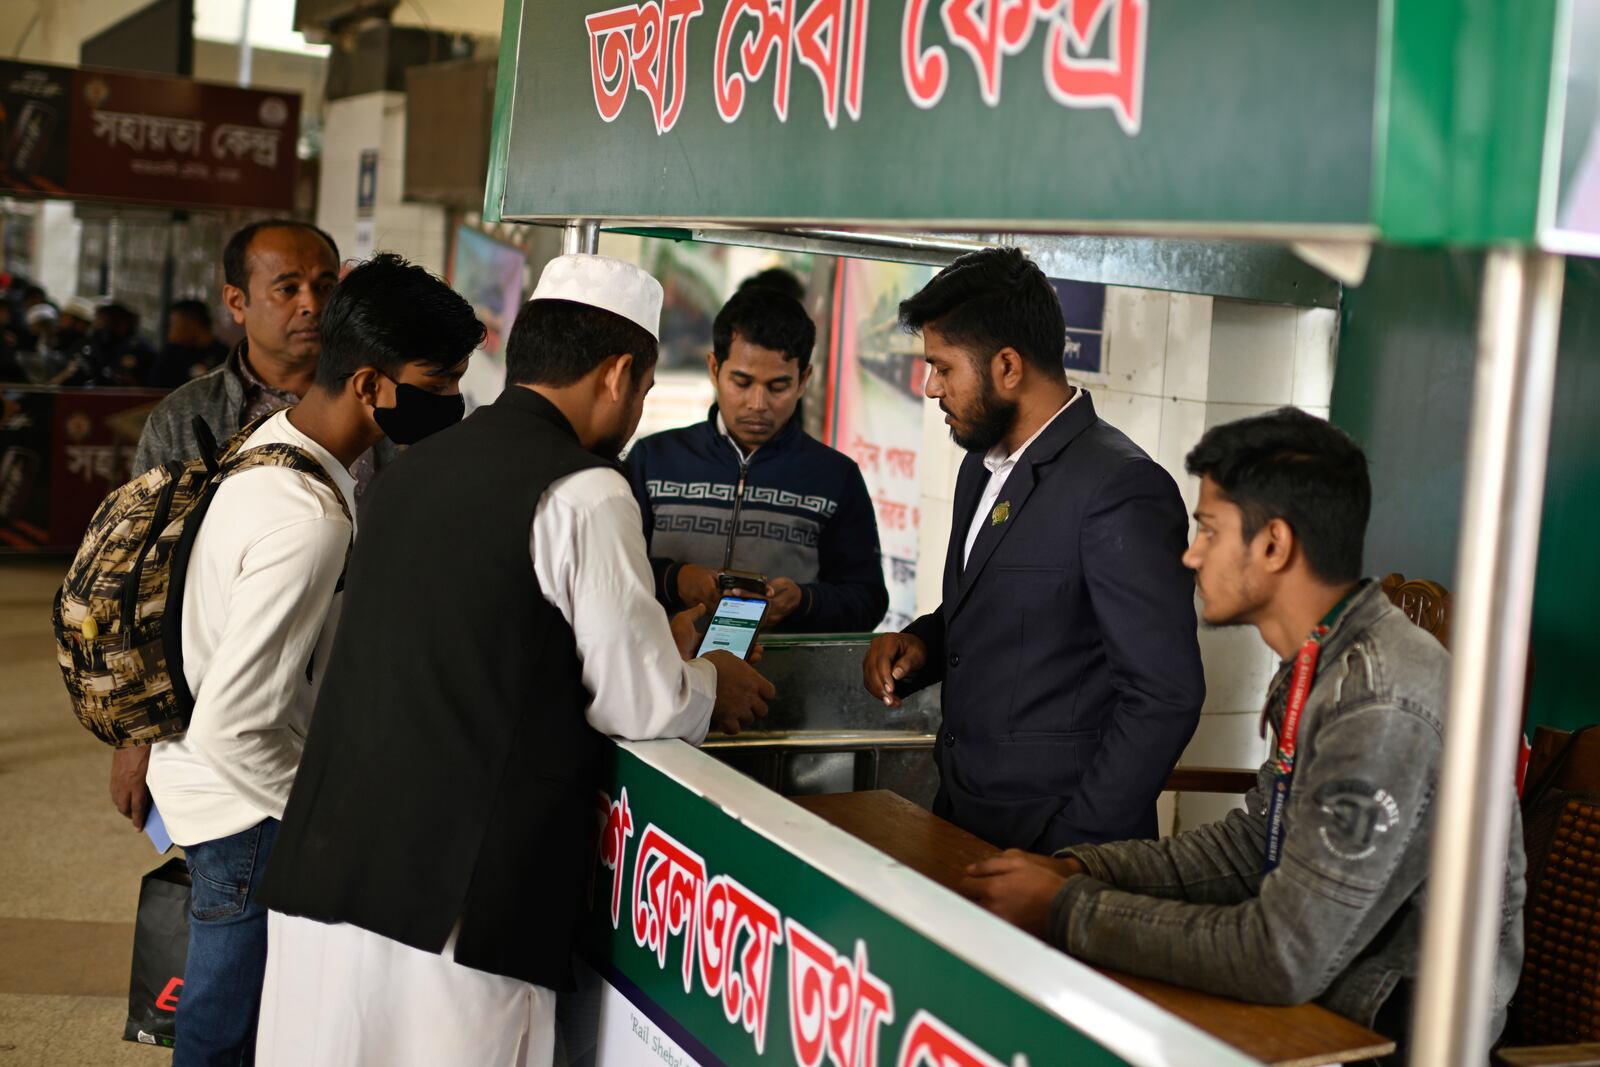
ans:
x=610 y=448
x=989 y=425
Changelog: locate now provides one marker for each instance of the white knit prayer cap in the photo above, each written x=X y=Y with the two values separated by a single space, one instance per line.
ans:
x=606 y=283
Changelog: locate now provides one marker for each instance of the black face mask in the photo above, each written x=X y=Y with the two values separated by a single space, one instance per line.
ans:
x=418 y=413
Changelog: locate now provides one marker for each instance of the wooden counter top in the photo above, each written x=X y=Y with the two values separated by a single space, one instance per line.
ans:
x=1303 y=1036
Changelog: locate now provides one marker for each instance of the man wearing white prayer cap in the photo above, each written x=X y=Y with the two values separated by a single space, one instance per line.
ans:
x=498 y=620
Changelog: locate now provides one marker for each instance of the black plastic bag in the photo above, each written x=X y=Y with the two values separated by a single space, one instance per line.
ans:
x=160 y=947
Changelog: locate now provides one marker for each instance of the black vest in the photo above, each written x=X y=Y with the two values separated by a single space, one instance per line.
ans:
x=449 y=772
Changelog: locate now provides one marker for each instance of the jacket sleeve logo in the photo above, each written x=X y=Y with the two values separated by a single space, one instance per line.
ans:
x=1354 y=816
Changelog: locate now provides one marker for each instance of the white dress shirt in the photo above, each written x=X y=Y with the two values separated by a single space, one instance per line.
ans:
x=587 y=543
x=259 y=607
x=1000 y=466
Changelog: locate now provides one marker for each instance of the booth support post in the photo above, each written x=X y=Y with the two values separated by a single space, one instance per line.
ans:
x=1508 y=444
x=580 y=235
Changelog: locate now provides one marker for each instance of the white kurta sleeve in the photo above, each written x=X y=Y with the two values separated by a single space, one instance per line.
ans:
x=588 y=551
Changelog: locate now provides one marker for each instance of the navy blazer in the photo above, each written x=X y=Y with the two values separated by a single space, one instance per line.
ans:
x=1067 y=644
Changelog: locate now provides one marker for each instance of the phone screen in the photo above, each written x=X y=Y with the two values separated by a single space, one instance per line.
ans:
x=733 y=626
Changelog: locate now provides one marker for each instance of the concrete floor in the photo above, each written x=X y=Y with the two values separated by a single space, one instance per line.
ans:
x=69 y=864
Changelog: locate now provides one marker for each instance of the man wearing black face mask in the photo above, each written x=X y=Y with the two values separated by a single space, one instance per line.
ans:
x=277 y=277
x=261 y=600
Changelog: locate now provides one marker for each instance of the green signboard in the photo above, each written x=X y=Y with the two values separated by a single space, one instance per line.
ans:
x=1228 y=115
x=728 y=926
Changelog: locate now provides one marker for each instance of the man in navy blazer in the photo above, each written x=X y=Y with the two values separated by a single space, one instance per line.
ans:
x=1067 y=637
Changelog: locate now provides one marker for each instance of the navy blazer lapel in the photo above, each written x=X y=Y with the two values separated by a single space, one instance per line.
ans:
x=1013 y=495
x=970 y=480
x=1018 y=488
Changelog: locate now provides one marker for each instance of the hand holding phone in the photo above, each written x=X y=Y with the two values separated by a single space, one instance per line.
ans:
x=741 y=583
x=733 y=626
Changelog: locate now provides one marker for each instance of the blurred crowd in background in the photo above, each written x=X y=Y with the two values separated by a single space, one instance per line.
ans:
x=95 y=341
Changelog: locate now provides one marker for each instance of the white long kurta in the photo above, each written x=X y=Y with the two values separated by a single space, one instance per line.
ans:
x=340 y=996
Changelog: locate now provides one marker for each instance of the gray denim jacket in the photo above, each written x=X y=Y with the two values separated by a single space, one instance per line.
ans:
x=217 y=397
x=1340 y=920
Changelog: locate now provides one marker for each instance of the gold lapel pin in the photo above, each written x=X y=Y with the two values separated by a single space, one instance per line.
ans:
x=1002 y=512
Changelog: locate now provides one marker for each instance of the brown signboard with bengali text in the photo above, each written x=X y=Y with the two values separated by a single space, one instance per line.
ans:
x=141 y=138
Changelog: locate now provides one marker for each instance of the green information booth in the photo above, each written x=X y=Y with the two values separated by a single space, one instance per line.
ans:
x=1253 y=149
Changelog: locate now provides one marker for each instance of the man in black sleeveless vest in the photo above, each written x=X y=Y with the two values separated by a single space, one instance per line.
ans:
x=499 y=618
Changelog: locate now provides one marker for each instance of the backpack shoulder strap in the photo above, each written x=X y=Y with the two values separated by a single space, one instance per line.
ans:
x=282 y=454
x=235 y=444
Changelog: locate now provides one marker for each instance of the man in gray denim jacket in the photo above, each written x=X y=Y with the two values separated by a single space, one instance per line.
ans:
x=1283 y=512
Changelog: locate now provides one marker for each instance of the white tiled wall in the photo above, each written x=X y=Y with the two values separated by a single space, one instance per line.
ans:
x=1176 y=365
x=352 y=126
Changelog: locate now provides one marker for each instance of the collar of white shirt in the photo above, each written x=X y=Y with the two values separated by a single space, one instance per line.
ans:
x=996 y=459
x=722 y=428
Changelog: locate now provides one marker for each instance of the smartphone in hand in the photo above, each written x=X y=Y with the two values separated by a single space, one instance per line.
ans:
x=733 y=626
x=741 y=583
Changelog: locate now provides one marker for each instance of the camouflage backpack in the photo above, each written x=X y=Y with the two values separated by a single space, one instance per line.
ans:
x=120 y=648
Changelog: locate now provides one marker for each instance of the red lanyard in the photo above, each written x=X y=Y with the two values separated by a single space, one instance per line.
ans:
x=1305 y=672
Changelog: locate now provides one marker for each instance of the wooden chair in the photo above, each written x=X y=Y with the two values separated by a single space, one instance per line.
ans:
x=1425 y=603
x=1429 y=605
x=1558 y=996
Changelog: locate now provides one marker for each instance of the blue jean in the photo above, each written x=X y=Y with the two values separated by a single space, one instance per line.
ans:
x=221 y=998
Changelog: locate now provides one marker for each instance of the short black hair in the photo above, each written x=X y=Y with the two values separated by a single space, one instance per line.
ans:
x=558 y=342
x=236 y=254
x=992 y=299
x=784 y=281
x=196 y=311
x=768 y=318
x=387 y=313
x=120 y=314
x=1292 y=466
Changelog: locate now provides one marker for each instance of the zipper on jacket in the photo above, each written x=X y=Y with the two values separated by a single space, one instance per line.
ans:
x=738 y=505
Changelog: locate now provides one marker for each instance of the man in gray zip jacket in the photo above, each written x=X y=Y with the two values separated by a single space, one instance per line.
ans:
x=1334 y=913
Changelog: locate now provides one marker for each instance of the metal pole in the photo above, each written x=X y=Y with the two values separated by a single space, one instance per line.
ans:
x=246 y=57
x=580 y=235
x=1512 y=394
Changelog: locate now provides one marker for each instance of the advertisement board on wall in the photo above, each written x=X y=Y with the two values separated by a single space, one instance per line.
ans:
x=34 y=102
x=140 y=138
x=875 y=376
x=1083 y=309
x=61 y=452
x=490 y=274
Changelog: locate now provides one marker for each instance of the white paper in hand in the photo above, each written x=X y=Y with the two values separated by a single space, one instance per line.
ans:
x=155 y=828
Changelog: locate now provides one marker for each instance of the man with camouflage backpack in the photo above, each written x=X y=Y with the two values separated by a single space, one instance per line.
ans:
x=260 y=602
x=277 y=276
